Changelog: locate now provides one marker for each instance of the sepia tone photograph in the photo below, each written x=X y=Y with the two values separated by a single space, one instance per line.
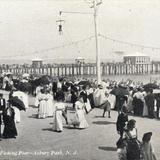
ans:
x=79 y=79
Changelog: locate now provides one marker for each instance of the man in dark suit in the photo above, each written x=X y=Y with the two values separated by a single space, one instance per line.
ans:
x=2 y=108
x=149 y=99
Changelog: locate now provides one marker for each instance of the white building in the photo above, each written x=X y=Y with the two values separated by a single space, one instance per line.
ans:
x=79 y=60
x=37 y=62
x=136 y=58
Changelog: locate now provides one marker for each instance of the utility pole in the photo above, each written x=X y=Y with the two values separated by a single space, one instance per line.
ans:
x=95 y=5
x=98 y=61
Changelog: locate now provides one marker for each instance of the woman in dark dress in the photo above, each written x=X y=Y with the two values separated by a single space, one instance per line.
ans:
x=158 y=104
x=10 y=130
x=133 y=145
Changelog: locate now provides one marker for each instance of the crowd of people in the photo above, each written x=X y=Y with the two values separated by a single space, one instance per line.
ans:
x=71 y=100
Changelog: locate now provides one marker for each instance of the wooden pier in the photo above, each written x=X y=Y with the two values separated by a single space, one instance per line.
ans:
x=85 y=69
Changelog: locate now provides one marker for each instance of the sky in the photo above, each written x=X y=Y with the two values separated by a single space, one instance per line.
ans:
x=28 y=29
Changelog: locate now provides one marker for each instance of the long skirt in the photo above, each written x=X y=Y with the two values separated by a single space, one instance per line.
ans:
x=17 y=117
x=42 y=112
x=138 y=107
x=72 y=117
x=50 y=108
x=133 y=150
x=145 y=110
x=58 y=123
x=112 y=100
x=88 y=106
x=81 y=118
x=130 y=104
x=10 y=130
x=91 y=99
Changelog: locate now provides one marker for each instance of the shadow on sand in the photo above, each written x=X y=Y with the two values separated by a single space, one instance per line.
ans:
x=108 y=148
x=51 y=130
x=48 y=129
x=33 y=116
x=103 y=122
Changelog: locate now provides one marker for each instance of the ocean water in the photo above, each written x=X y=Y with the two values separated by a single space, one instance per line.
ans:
x=148 y=78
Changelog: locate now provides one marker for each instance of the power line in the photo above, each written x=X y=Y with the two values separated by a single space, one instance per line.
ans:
x=51 y=49
x=128 y=43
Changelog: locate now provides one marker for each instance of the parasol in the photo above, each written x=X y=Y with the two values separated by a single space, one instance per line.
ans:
x=84 y=83
x=15 y=101
x=120 y=91
x=150 y=86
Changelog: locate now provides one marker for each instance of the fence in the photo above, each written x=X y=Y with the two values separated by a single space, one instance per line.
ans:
x=87 y=69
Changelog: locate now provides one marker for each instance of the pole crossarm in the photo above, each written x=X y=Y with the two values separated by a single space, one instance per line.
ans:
x=75 y=12
x=96 y=3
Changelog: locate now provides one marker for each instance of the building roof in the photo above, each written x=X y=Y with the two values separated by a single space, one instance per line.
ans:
x=79 y=58
x=136 y=54
x=37 y=59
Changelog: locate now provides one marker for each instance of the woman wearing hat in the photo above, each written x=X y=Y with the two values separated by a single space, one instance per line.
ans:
x=10 y=130
x=79 y=107
x=99 y=95
x=133 y=145
x=59 y=113
x=41 y=103
x=147 y=149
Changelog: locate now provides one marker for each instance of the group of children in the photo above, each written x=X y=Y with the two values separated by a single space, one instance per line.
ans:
x=128 y=145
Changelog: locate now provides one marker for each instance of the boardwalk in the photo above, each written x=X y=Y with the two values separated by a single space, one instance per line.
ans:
x=37 y=141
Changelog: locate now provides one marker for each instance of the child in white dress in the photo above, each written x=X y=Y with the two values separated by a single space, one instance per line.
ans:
x=59 y=113
x=79 y=107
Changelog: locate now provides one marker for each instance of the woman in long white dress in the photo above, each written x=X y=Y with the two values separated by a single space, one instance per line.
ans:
x=58 y=117
x=145 y=108
x=79 y=107
x=41 y=102
x=50 y=106
x=99 y=95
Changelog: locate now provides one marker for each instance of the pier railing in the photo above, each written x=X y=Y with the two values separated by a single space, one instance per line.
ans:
x=85 y=69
